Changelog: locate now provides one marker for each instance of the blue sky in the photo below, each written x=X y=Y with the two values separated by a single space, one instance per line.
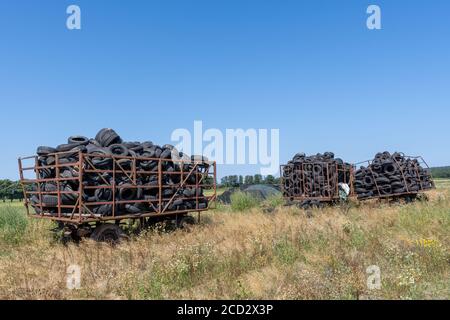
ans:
x=309 y=68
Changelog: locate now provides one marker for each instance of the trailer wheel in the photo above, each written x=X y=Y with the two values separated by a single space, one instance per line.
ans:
x=108 y=232
x=186 y=223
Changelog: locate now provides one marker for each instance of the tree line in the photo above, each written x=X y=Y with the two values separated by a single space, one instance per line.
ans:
x=441 y=172
x=10 y=190
x=236 y=181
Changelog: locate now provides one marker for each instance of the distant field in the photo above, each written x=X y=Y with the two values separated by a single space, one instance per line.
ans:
x=219 y=191
x=442 y=183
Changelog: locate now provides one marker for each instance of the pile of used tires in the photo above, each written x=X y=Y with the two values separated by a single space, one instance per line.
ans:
x=391 y=174
x=315 y=176
x=108 y=143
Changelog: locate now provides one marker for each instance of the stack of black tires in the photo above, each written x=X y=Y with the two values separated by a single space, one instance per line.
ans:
x=99 y=151
x=391 y=174
x=315 y=176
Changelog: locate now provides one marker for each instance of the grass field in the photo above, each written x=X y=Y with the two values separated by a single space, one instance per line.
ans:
x=244 y=254
x=442 y=183
x=8 y=203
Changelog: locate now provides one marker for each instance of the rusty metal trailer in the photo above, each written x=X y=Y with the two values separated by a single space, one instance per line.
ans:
x=390 y=177
x=78 y=214
x=316 y=182
x=397 y=177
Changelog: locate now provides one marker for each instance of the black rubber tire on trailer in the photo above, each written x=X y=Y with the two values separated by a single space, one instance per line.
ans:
x=108 y=232
x=185 y=222
x=109 y=137
x=118 y=150
x=382 y=180
x=98 y=136
x=103 y=194
x=127 y=193
x=94 y=143
x=44 y=150
x=409 y=198
x=66 y=147
x=389 y=168
x=50 y=201
x=80 y=140
x=165 y=154
x=49 y=187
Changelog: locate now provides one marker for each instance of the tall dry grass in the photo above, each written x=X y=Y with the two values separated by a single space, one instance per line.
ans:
x=284 y=254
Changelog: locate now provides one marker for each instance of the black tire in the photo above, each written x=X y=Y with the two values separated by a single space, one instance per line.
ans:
x=399 y=190
x=178 y=202
x=80 y=140
x=382 y=180
x=49 y=187
x=386 y=189
x=125 y=163
x=49 y=200
x=99 y=135
x=167 y=193
x=66 y=147
x=133 y=209
x=94 y=143
x=101 y=161
x=317 y=169
x=185 y=222
x=166 y=154
x=138 y=149
x=50 y=160
x=46 y=173
x=104 y=210
x=107 y=137
x=360 y=190
x=368 y=180
x=69 y=198
x=127 y=193
x=43 y=150
x=72 y=154
x=397 y=185
x=188 y=193
x=389 y=168
x=147 y=144
x=118 y=150
x=107 y=232
x=103 y=194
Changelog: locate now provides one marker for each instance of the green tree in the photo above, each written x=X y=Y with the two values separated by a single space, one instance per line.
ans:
x=10 y=190
x=248 y=180
x=270 y=179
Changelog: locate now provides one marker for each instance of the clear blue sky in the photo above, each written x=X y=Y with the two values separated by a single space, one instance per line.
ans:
x=310 y=68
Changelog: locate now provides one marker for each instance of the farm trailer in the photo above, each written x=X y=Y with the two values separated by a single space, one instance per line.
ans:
x=393 y=177
x=403 y=177
x=123 y=191
x=316 y=183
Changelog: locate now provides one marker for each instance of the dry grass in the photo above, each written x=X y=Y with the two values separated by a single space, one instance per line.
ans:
x=248 y=254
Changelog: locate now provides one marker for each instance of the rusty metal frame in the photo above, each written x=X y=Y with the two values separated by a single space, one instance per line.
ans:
x=81 y=212
x=421 y=162
x=307 y=194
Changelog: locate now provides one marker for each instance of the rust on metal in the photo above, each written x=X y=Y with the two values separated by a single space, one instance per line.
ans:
x=80 y=212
